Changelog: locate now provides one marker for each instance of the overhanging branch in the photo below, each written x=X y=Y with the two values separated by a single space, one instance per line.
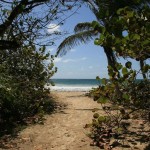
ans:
x=5 y=44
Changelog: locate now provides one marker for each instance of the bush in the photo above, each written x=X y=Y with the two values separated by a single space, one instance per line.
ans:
x=23 y=75
x=121 y=99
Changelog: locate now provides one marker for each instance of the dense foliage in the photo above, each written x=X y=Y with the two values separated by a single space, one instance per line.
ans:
x=25 y=62
x=23 y=77
x=127 y=34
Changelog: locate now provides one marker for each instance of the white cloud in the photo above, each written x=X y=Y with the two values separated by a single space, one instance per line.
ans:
x=68 y=60
x=90 y=67
x=72 y=50
x=53 y=28
x=83 y=58
x=57 y=60
x=74 y=60
x=82 y=69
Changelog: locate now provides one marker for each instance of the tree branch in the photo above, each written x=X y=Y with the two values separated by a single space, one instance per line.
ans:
x=5 y=44
x=16 y=11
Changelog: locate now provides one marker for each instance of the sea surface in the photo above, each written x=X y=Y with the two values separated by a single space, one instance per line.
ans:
x=74 y=84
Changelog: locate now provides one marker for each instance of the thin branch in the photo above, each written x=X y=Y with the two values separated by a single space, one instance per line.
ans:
x=6 y=2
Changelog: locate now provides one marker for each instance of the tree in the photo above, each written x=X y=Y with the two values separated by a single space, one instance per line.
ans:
x=25 y=63
x=23 y=76
x=135 y=23
x=83 y=33
x=104 y=11
x=130 y=96
x=21 y=20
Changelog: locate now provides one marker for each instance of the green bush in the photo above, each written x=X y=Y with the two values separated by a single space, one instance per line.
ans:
x=120 y=98
x=23 y=75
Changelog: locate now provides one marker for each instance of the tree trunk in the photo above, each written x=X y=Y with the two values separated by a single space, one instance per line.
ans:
x=111 y=58
x=141 y=66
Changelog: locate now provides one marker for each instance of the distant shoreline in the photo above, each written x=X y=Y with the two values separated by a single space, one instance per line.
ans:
x=73 y=84
x=70 y=88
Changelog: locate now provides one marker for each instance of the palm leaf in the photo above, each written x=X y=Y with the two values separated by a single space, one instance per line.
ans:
x=73 y=40
x=84 y=26
x=92 y=5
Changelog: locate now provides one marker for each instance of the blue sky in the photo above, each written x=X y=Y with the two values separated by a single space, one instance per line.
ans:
x=83 y=61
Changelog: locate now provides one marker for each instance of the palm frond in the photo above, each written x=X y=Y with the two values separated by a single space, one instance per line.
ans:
x=93 y=6
x=73 y=40
x=80 y=27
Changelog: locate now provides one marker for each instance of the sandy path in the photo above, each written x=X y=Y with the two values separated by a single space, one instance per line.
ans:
x=64 y=129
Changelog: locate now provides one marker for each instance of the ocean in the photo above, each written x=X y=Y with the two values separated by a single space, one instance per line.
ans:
x=74 y=84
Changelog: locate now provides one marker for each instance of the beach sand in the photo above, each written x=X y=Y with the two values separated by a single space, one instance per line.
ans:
x=64 y=129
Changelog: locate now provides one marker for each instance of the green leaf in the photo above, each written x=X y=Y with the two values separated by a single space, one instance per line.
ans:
x=97 y=42
x=130 y=14
x=95 y=24
x=146 y=42
x=120 y=11
x=124 y=70
x=97 y=78
x=103 y=29
x=128 y=64
x=96 y=115
x=100 y=40
x=102 y=100
x=101 y=119
x=118 y=66
x=146 y=68
x=103 y=81
x=136 y=37
x=125 y=96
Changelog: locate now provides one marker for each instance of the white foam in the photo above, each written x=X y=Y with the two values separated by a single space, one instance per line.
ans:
x=69 y=88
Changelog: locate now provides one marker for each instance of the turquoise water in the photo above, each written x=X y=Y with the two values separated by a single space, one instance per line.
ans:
x=75 y=82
